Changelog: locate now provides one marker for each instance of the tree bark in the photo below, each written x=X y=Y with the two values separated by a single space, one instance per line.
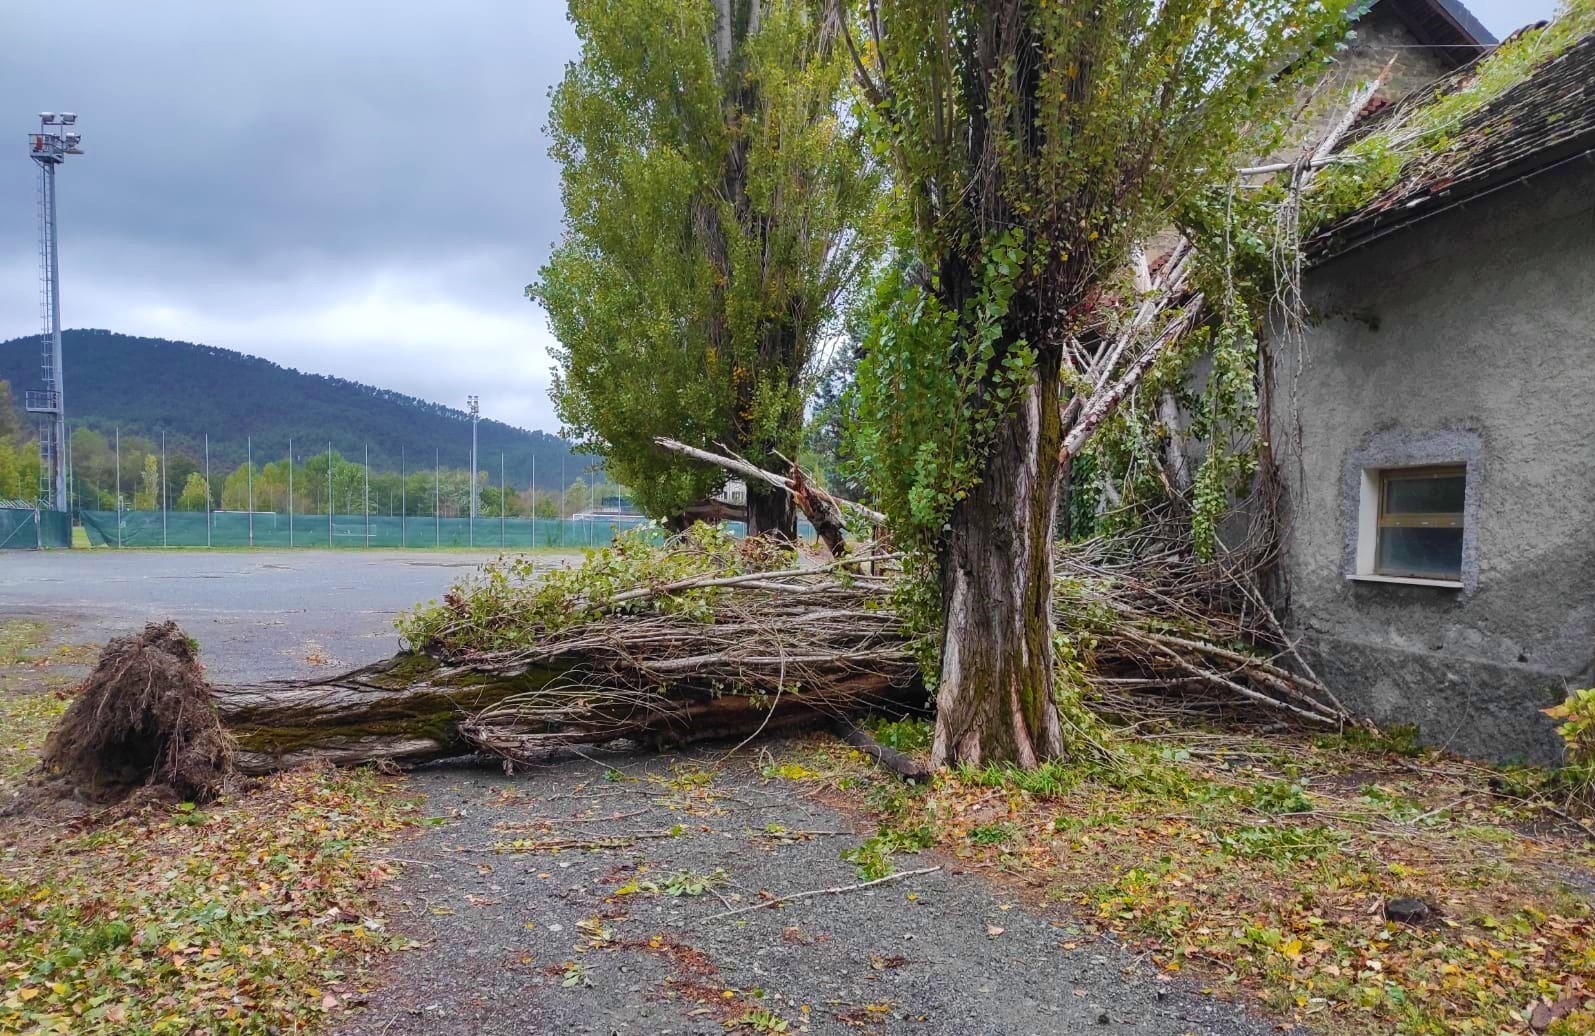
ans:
x=407 y=709
x=412 y=708
x=770 y=512
x=994 y=702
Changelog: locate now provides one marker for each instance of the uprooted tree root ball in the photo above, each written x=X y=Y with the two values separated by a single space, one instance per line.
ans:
x=145 y=718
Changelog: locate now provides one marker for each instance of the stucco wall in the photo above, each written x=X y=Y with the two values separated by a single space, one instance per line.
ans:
x=1468 y=338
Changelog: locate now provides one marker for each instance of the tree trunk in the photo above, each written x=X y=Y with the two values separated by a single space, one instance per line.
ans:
x=770 y=512
x=995 y=701
x=407 y=708
x=412 y=708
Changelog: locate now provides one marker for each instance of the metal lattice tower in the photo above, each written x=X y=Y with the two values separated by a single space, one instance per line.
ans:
x=49 y=148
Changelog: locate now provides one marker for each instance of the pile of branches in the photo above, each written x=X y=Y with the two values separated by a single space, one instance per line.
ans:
x=1169 y=633
x=1157 y=631
x=756 y=653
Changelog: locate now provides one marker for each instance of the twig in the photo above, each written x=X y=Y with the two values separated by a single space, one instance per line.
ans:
x=559 y=844
x=833 y=891
x=893 y=760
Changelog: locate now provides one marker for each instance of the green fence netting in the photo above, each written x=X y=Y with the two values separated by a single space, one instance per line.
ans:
x=24 y=528
x=268 y=529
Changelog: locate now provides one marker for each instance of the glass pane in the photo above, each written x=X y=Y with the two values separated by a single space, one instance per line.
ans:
x=1426 y=495
x=1421 y=553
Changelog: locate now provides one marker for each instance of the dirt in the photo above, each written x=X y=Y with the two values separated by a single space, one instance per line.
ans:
x=575 y=942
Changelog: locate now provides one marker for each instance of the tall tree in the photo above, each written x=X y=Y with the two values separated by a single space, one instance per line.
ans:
x=1034 y=143
x=715 y=208
x=10 y=414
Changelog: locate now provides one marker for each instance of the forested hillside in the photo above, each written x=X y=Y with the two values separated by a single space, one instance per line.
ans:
x=149 y=385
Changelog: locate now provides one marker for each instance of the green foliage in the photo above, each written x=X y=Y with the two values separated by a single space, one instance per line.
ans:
x=716 y=207
x=874 y=858
x=148 y=497
x=195 y=495
x=1577 y=716
x=904 y=735
x=511 y=603
x=1283 y=844
x=933 y=383
x=1279 y=798
x=19 y=471
x=761 y=1019
x=1094 y=128
x=692 y=884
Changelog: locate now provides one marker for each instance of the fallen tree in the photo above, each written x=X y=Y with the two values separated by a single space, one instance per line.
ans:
x=705 y=637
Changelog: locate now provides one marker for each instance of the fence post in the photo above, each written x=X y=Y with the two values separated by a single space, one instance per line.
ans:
x=502 y=497
x=365 y=494
x=163 y=488
x=437 y=496
x=290 y=492
x=118 y=487
x=249 y=480
x=404 y=501
x=329 y=494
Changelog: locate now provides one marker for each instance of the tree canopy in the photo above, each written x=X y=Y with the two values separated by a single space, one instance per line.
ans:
x=717 y=204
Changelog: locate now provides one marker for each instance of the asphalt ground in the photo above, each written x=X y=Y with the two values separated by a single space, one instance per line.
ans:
x=258 y=615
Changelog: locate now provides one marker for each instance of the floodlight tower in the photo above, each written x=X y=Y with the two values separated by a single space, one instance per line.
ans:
x=49 y=148
x=476 y=413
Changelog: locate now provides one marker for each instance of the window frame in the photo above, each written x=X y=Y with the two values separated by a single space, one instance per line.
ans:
x=1383 y=477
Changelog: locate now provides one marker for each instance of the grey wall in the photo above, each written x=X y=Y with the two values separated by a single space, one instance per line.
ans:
x=1469 y=337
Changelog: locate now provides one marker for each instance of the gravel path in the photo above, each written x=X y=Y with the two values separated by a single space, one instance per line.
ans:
x=542 y=942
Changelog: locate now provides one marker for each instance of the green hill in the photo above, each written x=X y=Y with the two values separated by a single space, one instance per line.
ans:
x=149 y=385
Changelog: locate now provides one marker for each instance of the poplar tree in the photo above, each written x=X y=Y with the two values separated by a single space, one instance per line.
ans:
x=716 y=208
x=1035 y=143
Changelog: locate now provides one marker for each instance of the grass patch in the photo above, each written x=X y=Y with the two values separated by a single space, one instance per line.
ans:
x=252 y=915
x=33 y=684
x=1261 y=865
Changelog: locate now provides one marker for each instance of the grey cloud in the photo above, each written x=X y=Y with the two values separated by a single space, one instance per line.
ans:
x=267 y=158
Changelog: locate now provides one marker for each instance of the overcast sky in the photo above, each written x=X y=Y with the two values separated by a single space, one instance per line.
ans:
x=341 y=186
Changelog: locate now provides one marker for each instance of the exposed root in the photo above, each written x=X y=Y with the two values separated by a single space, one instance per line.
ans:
x=143 y=719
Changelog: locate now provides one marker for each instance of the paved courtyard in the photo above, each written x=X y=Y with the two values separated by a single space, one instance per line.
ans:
x=263 y=614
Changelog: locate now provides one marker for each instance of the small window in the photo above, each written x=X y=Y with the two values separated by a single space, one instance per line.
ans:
x=1420 y=522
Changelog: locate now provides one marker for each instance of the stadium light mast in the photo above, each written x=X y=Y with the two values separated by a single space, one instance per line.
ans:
x=49 y=148
x=475 y=403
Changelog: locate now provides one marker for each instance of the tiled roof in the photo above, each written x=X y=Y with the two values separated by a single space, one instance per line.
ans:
x=1544 y=120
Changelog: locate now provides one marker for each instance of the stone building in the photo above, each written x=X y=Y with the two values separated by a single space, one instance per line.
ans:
x=1437 y=436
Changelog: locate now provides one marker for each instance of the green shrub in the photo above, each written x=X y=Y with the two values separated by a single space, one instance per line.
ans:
x=1577 y=714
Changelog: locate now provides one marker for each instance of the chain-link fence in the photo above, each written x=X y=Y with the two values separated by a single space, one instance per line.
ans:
x=164 y=491
x=269 y=529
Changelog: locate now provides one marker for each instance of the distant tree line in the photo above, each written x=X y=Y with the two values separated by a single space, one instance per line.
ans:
x=19 y=453
x=316 y=477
